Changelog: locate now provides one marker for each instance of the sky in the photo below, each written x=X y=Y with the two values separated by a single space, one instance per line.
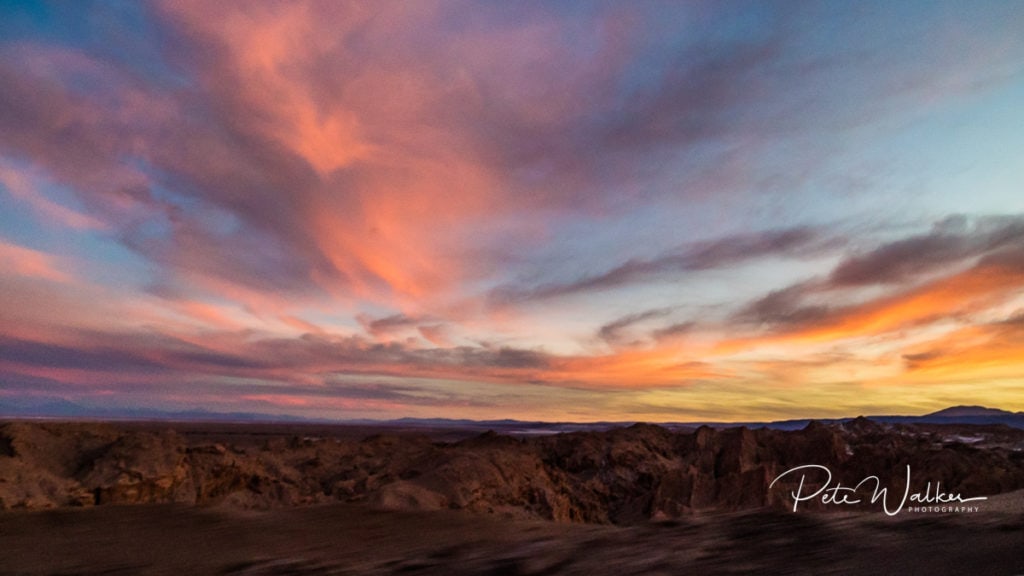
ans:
x=575 y=211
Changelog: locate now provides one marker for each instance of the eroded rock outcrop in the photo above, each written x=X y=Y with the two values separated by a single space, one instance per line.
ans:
x=619 y=476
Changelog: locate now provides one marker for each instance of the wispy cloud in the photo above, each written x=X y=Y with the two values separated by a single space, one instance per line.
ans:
x=952 y=242
x=590 y=201
x=995 y=278
x=26 y=262
x=613 y=332
x=720 y=253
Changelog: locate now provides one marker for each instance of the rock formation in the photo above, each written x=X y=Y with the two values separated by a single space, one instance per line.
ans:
x=617 y=476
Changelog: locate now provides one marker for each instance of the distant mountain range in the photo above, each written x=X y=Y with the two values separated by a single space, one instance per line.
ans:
x=979 y=415
x=57 y=408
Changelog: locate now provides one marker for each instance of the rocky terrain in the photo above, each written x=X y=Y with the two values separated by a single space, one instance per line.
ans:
x=622 y=476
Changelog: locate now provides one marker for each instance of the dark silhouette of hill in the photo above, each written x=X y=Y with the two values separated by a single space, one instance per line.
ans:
x=969 y=412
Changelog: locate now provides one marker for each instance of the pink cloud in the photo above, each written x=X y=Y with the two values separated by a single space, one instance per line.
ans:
x=29 y=263
x=26 y=188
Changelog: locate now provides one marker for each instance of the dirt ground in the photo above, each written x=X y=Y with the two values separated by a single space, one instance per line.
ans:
x=349 y=539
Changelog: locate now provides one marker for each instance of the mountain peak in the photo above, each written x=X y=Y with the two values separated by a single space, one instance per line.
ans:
x=968 y=411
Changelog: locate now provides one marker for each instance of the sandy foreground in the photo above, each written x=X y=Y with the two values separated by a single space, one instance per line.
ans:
x=355 y=539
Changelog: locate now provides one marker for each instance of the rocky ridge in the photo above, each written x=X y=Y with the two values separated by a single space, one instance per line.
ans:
x=619 y=476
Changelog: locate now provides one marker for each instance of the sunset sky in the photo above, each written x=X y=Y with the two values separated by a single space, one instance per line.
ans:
x=577 y=211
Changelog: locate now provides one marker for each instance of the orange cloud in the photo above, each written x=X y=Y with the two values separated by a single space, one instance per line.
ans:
x=209 y=315
x=271 y=48
x=975 y=352
x=960 y=295
x=393 y=188
x=664 y=366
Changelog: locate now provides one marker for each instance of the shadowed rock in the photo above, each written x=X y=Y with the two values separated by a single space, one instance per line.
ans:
x=618 y=476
